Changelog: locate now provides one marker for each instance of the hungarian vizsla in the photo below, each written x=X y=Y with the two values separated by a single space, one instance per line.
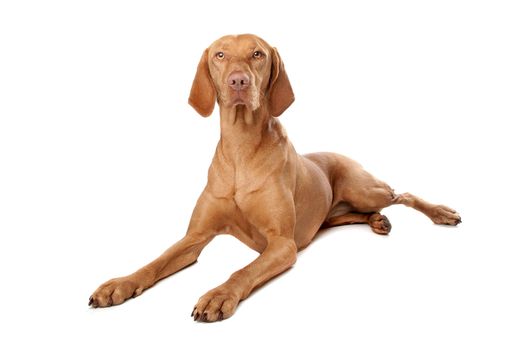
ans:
x=259 y=189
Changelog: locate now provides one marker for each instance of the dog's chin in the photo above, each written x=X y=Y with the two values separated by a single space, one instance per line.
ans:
x=238 y=102
x=240 y=99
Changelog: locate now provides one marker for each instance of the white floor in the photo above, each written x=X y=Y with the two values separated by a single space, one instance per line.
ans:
x=101 y=161
x=424 y=286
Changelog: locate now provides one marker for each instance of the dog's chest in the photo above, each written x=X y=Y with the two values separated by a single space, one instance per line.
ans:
x=233 y=180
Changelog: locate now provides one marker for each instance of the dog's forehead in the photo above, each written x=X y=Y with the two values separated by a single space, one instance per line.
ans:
x=239 y=43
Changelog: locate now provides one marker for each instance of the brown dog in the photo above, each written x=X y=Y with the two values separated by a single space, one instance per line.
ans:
x=259 y=189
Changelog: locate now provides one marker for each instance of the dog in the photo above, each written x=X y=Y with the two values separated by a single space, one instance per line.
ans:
x=259 y=189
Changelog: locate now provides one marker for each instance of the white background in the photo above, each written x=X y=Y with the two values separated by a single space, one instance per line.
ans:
x=101 y=161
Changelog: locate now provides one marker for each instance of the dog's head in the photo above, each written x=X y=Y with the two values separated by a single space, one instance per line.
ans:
x=241 y=70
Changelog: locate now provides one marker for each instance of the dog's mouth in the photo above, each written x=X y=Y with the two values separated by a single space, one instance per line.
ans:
x=239 y=98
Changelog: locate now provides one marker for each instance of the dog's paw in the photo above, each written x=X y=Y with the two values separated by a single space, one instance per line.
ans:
x=216 y=305
x=379 y=224
x=116 y=291
x=443 y=215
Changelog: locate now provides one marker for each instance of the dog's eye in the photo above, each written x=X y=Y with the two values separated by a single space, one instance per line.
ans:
x=219 y=55
x=257 y=54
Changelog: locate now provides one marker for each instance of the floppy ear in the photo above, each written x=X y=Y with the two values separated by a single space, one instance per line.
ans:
x=280 y=90
x=203 y=94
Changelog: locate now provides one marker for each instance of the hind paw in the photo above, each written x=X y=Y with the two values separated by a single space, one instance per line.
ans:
x=443 y=215
x=379 y=224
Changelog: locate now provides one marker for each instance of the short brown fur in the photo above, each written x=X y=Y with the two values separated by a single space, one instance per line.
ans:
x=259 y=189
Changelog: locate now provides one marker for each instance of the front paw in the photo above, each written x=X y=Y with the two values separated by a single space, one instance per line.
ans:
x=116 y=291
x=216 y=305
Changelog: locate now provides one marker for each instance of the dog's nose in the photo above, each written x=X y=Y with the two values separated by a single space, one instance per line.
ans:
x=238 y=81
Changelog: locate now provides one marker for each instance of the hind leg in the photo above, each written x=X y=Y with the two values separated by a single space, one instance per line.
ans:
x=383 y=196
x=439 y=214
x=380 y=197
x=371 y=196
x=378 y=223
x=357 y=192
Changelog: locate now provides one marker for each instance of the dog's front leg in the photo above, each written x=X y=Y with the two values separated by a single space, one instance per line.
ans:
x=204 y=223
x=178 y=256
x=275 y=220
x=221 y=302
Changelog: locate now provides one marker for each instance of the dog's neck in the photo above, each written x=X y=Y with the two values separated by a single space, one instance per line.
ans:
x=244 y=131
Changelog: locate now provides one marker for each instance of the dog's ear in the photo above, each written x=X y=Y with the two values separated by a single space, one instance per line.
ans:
x=203 y=94
x=280 y=91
